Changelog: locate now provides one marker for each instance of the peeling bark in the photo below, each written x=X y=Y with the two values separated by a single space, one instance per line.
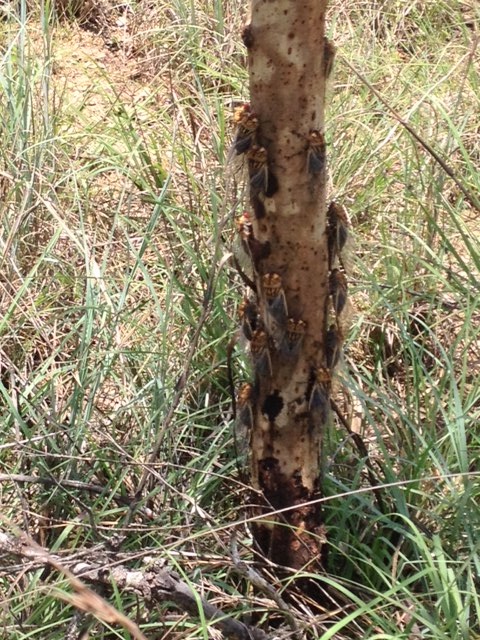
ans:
x=296 y=336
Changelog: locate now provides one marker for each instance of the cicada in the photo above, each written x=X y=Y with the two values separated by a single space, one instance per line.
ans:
x=337 y=232
x=259 y=349
x=247 y=125
x=249 y=320
x=333 y=346
x=244 y=404
x=262 y=180
x=316 y=152
x=258 y=167
x=242 y=426
x=319 y=401
x=338 y=290
x=293 y=337
x=274 y=294
x=255 y=249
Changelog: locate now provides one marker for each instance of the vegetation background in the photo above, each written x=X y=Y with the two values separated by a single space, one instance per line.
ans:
x=118 y=302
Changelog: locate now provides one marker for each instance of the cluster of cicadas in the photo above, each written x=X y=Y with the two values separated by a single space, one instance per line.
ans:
x=264 y=318
x=265 y=323
x=320 y=383
x=262 y=180
x=270 y=333
x=274 y=330
x=337 y=237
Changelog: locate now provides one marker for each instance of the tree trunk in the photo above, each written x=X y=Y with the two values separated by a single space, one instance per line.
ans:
x=292 y=318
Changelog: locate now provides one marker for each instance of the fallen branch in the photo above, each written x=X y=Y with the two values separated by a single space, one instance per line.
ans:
x=154 y=584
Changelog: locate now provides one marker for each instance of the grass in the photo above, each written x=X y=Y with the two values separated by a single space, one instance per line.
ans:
x=113 y=190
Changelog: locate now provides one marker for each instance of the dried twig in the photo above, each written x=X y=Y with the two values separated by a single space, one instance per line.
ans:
x=261 y=584
x=154 y=584
x=84 y=598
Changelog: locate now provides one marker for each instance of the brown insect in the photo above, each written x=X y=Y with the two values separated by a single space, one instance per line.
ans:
x=247 y=124
x=254 y=248
x=259 y=348
x=241 y=250
x=241 y=111
x=276 y=302
x=337 y=231
x=262 y=180
x=248 y=312
x=329 y=51
x=242 y=426
x=272 y=286
x=244 y=228
x=338 y=290
x=244 y=404
x=293 y=337
x=316 y=152
x=258 y=167
x=319 y=402
x=333 y=346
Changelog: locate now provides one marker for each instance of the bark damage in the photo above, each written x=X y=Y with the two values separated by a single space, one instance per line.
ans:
x=294 y=335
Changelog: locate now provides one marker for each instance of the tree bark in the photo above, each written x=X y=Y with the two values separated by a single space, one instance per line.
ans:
x=290 y=321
